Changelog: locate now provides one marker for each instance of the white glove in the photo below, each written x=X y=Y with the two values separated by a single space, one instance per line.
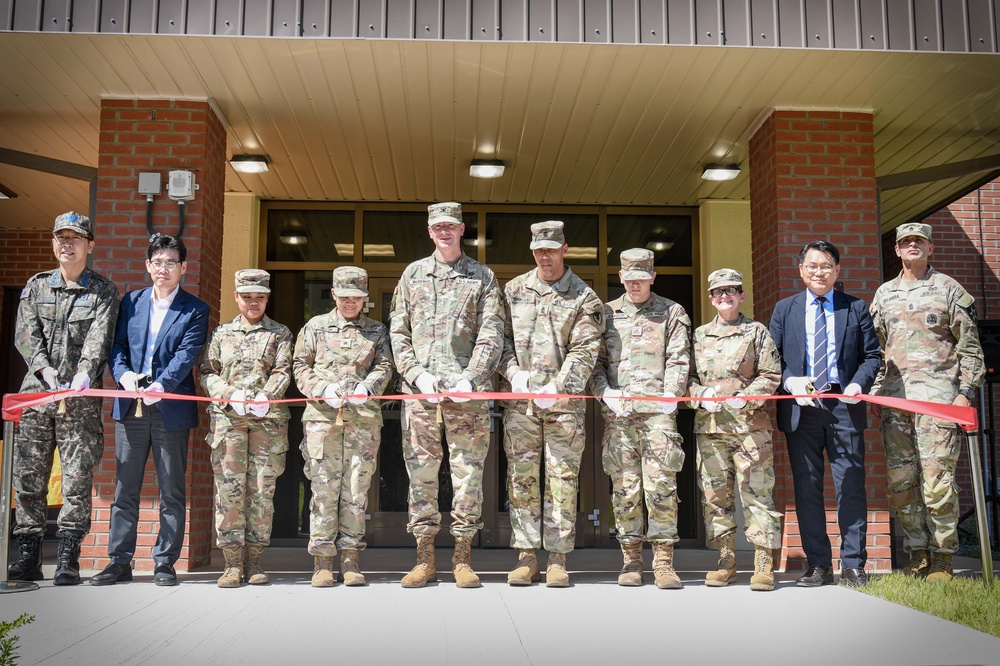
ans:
x=546 y=403
x=851 y=389
x=238 y=403
x=426 y=383
x=81 y=382
x=736 y=402
x=128 y=380
x=710 y=405
x=332 y=397
x=155 y=387
x=668 y=407
x=519 y=382
x=612 y=398
x=50 y=377
x=461 y=386
x=360 y=396
x=799 y=386
x=262 y=409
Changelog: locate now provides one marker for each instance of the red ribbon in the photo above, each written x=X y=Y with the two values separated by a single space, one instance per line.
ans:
x=966 y=417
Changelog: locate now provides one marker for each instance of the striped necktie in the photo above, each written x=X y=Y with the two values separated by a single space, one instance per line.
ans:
x=821 y=372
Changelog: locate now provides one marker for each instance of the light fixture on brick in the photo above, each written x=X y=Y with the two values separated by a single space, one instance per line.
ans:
x=720 y=172
x=249 y=163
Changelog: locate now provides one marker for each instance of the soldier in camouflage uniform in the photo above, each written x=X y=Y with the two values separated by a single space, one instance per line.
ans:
x=552 y=337
x=342 y=357
x=65 y=324
x=926 y=322
x=250 y=358
x=735 y=356
x=645 y=352
x=447 y=335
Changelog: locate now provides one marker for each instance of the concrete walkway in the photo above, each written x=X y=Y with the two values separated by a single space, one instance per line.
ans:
x=593 y=622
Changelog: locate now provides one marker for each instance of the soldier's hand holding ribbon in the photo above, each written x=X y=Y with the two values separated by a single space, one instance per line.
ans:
x=546 y=403
x=668 y=407
x=50 y=377
x=461 y=386
x=427 y=383
x=360 y=396
x=612 y=398
x=80 y=382
x=331 y=394
x=238 y=403
x=262 y=407
x=710 y=405
x=736 y=402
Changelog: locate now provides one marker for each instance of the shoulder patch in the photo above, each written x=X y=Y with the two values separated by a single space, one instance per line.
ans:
x=598 y=316
x=25 y=292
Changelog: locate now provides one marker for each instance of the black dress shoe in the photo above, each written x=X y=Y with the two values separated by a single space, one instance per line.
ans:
x=164 y=575
x=853 y=577
x=816 y=577
x=116 y=572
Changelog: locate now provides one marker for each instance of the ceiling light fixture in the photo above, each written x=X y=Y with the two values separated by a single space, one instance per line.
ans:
x=293 y=237
x=659 y=246
x=6 y=194
x=486 y=168
x=249 y=163
x=720 y=172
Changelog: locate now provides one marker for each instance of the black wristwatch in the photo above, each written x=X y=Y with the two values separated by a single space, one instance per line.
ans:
x=970 y=394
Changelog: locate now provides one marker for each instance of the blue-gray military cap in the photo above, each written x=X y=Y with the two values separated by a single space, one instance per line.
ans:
x=81 y=224
x=350 y=281
x=253 y=281
x=547 y=235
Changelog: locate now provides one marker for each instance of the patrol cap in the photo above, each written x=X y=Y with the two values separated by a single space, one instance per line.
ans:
x=78 y=223
x=547 y=235
x=253 y=281
x=637 y=264
x=913 y=229
x=725 y=277
x=350 y=281
x=447 y=212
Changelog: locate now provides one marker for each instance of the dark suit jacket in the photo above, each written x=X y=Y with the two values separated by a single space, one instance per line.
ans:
x=858 y=351
x=177 y=350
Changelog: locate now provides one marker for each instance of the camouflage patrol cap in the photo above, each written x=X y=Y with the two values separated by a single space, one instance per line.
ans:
x=78 y=223
x=447 y=212
x=725 y=277
x=350 y=281
x=547 y=235
x=913 y=229
x=253 y=281
x=637 y=264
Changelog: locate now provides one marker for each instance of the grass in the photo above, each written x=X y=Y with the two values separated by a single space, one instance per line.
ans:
x=963 y=600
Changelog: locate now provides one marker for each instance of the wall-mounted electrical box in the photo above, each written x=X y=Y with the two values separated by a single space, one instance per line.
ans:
x=150 y=183
x=181 y=186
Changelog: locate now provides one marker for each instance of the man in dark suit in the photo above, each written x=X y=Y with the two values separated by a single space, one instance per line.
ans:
x=159 y=336
x=827 y=343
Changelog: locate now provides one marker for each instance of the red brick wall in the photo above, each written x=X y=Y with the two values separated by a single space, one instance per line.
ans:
x=812 y=176
x=158 y=136
x=966 y=247
x=27 y=251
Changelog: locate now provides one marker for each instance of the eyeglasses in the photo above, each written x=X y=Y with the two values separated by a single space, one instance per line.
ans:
x=818 y=270
x=169 y=265
x=724 y=291
x=68 y=240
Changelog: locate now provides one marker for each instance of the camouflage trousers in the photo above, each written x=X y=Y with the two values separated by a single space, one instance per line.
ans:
x=642 y=455
x=79 y=436
x=340 y=463
x=248 y=456
x=558 y=440
x=921 y=455
x=727 y=462
x=466 y=427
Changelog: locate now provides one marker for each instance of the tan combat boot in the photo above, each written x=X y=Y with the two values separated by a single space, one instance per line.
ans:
x=555 y=571
x=763 y=570
x=350 y=573
x=424 y=572
x=940 y=571
x=252 y=571
x=461 y=565
x=726 y=572
x=663 y=567
x=631 y=574
x=919 y=564
x=526 y=572
x=233 y=573
x=323 y=571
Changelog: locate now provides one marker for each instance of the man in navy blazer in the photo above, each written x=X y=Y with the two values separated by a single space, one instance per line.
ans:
x=158 y=339
x=827 y=343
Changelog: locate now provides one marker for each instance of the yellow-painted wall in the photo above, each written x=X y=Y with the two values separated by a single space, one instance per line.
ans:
x=724 y=243
x=240 y=233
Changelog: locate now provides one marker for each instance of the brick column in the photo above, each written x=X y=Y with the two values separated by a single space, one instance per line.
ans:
x=158 y=136
x=812 y=176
